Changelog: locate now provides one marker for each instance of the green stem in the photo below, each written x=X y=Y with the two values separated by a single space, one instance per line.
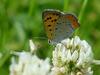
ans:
x=65 y=5
x=31 y=7
x=4 y=58
x=82 y=10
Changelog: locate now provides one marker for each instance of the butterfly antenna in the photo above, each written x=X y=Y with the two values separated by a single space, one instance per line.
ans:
x=39 y=38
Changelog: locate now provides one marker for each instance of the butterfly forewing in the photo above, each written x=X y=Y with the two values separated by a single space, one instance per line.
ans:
x=49 y=18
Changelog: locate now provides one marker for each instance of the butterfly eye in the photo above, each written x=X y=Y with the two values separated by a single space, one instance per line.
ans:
x=49 y=41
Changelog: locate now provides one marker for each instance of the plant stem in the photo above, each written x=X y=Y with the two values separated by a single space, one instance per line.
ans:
x=97 y=62
x=31 y=7
x=65 y=5
x=4 y=58
x=82 y=10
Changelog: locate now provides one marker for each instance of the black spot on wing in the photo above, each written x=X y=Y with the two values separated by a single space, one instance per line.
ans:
x=56 y=28
x=49 y=25
x=50 y=29
x=55 y=19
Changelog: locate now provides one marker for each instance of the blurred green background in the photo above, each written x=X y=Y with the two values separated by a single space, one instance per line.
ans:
x=21 y=20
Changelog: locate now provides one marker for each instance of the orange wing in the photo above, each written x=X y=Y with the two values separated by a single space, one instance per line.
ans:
x=50 y=18
x=72 y=18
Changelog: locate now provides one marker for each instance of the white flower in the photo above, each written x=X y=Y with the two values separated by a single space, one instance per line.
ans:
x=28 y=64
x=72 y=57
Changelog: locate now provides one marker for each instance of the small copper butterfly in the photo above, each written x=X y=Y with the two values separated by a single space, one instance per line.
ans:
x=58 y=25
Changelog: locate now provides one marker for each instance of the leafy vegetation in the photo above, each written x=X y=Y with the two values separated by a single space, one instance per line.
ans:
x=21 y=20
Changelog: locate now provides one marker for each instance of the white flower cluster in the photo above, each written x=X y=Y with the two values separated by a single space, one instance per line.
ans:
x=72 y=57
x=29 y=64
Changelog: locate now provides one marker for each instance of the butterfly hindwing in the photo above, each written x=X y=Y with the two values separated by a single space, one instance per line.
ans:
x=62 y=29
x=73 y=19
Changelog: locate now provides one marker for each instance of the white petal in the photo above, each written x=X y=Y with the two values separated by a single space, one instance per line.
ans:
x=72 y=73
x=81 y=58
x=89 y=56
x=75 y=56
x=79 y=73
x=66 y=42
x=68 y=56
x=77 y=40
x=64 y=54
x=71 y=41
x=32 y=46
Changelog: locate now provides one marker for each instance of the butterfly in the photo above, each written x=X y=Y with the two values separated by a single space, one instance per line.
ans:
x=59 y=25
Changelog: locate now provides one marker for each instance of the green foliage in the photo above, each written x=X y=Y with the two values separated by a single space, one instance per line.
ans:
x=21 y=20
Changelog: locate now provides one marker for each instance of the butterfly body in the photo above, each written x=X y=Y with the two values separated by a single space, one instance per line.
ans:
x=59 y=25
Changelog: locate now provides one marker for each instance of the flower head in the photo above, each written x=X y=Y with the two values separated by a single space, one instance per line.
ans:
x=72 y=57
x=29 y=64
